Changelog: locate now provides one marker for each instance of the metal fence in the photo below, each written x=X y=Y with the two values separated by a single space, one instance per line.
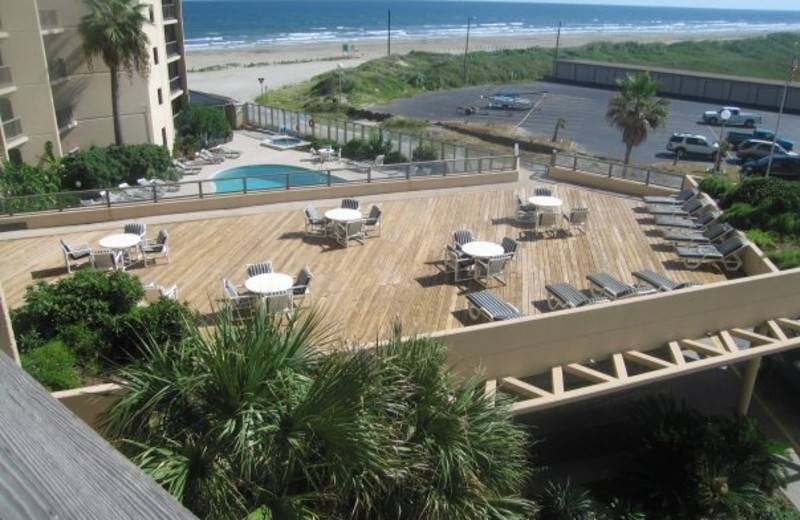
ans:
x=617 y=170
x=299 y=123
x=200 y=189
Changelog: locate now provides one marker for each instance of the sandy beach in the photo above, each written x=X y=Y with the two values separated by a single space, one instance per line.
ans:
x=282 y=65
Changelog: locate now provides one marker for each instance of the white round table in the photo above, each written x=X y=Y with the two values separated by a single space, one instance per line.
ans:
x=269 y=283
x=120 y=241
x=544 y=202
x=480 y=249
x=343 y=215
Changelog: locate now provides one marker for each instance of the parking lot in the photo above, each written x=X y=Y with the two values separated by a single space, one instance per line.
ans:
x=583 y=109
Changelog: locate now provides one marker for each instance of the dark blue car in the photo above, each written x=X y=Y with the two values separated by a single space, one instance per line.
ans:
x=783 y=167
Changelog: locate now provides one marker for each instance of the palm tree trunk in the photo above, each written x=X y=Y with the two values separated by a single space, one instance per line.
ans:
x=115 y=107
x=628 y=150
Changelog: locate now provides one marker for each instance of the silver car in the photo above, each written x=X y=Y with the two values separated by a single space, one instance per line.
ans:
x=757 y=148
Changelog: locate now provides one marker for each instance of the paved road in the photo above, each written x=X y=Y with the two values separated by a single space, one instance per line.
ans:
x=584 y=109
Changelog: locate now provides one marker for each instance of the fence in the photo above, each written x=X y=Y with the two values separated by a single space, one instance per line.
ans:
x=611 y=169
x=200 y=189
x=298 y=123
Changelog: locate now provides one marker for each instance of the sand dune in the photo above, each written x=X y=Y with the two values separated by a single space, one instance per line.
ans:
x=282 y=65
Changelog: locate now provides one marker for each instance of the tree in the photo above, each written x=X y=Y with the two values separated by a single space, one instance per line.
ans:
x=251 y=417
x=635 y=111
x=113 y=29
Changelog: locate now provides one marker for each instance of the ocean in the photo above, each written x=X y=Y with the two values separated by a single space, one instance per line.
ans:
x=217 y=24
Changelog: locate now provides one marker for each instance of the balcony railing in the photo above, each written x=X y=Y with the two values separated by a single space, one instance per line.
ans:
x=57 y=69
x=48 y=18
x=175 y=84
x=12 y=128
x=172 y=49
x=64 y=119
x=5 y=76
x=169 y=12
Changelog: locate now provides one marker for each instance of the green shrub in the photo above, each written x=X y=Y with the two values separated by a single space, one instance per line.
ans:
x=103 y=167
x=88 y=297
x=52 y=365
x=787 y=259
x=395 y=157
x=765 y=240
x=323 y=142
x=717 y=187
x=376 y=146
x=425 y=152
x=203 y=123
x=164 y=321
x=18 y=180
x=355 y=149
x=185 y=146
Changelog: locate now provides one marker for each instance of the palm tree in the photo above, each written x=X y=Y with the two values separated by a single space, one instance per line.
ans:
x=251 y=417
x=560 y=123
x=113 y=29
x=635 y=111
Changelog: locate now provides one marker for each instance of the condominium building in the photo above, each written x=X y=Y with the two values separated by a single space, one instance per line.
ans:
x=50 y=92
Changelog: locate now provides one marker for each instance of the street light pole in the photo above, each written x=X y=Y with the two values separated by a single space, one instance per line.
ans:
x=340 y=67
x=261 y=82
x=724 y=116
x=466 y=49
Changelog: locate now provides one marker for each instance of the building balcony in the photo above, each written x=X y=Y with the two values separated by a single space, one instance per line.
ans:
x=169 y=13
x=175 y=87
x=3 y=32
x=12 y=130
x=57 y=69
x=65 y=119
x=173 y=52
x=6 y=81
x=48 y=20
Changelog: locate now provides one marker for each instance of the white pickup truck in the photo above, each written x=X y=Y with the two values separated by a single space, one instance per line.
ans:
x=736 y=118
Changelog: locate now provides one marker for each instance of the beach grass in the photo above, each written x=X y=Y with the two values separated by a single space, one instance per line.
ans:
x=384 y=79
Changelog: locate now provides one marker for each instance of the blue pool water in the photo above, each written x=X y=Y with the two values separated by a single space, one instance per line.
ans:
x=268 y=177
x=286 y=141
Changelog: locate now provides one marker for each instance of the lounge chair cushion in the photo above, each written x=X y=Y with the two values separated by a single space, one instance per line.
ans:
x=677 y=199
x=564 y=295
x=661 y=282
x=614 y=288
x=493 y=308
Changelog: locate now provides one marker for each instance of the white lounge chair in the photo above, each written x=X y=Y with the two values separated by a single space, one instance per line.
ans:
x=566 y=296
x=226 y=152
x=725 y=254
x=487 y=305
x=661 y=282
x=208 y=157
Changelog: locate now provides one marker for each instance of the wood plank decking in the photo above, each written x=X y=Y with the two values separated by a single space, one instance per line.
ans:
x=363 y=288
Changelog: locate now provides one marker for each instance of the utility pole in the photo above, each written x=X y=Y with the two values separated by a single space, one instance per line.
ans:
x=558 y=41
x=789 y=80
x=466 y=49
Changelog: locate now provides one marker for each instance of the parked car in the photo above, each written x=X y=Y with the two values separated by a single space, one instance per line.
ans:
x=683 y=144
x=736 y=118
x=783 y=167
x=736 y=137
x=757 y=148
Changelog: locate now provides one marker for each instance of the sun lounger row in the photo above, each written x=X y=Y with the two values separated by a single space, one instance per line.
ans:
x=487 y=305
x=677 y=199
x=605 y=287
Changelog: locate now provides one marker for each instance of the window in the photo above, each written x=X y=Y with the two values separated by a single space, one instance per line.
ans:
x=164 y=135
x=15 y=156
x=155 y=55
x=160 y=97
x=152 y=14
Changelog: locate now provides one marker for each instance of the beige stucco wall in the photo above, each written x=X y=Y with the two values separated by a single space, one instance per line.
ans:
x=87 y=90
x=23 y=51
x=603 y=182
x=172 y=206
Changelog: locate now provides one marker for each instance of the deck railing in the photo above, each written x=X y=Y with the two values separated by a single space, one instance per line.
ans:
x=207 y=188
x=617 y=170
x=175 y=84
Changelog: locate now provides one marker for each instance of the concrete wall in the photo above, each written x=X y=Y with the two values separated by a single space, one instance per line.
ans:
x=217 y=202
x=714 y=88
x=603 y=182
x=529 y=346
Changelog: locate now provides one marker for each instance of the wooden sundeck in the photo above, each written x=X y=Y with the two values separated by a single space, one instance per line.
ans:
x=397 y=276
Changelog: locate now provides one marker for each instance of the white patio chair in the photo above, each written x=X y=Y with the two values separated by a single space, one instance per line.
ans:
x=488 y=268
x=135 y=228
x=373 y=220
x=351 y=203
x=278 y=303
x=302 y=285
x=577 y=218
x=314 y=223
x=158 y=246
x=347 y=231
x=154 y=292
x=264 y=267
x=235 y=297
x=460 y=264
x=108 y=260
x=547 y=222
x=74 y=252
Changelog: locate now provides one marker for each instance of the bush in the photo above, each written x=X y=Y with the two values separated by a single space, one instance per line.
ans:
x=52 y=365
x=323 y=142
x=162 y=322
x=355 y=149
x=395 y=157
x=89 y=297
x=109 y=166
x=17 y=180
x=717 y=187
x=185 y=146
x=425 y=152
x=203 y=123
x=788 y=259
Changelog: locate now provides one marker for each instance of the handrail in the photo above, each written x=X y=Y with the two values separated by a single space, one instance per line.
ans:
x=198 y=189
x=615 y=169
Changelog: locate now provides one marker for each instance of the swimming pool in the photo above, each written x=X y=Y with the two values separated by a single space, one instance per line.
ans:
x=268 y=177
x=282 y=142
